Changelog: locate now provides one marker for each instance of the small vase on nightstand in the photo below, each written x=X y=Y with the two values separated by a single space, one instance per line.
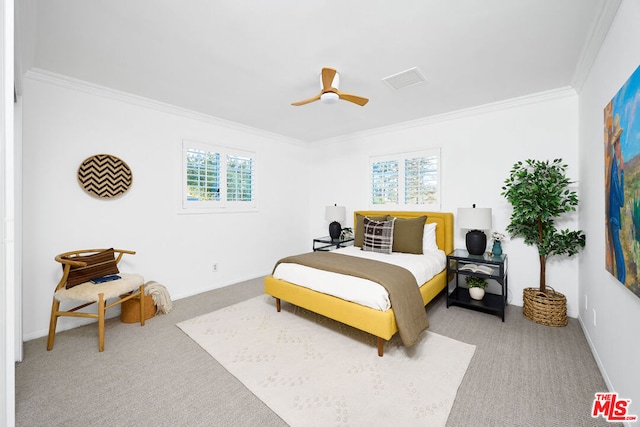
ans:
x=497 y=248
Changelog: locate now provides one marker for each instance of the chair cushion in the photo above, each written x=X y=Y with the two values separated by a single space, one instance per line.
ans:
x=98 y=265
x=88 y=292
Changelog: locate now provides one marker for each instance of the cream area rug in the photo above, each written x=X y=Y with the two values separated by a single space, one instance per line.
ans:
x=313 y=371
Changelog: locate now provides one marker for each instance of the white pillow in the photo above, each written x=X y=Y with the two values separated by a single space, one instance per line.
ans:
x=429 y=237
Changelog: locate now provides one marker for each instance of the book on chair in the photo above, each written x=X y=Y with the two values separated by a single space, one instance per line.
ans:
x=104 y=279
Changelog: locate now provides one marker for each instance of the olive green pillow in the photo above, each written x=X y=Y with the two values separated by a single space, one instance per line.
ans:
x=407 y=235
x=359 y=228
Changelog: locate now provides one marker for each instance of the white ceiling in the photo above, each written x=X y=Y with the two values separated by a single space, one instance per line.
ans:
x=247 y=60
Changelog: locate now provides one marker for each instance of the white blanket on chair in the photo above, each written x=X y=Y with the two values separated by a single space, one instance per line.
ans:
x=88 y=291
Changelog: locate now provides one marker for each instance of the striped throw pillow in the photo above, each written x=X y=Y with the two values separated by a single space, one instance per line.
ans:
x=359 y=227
x=378 y=236
x=98 y=265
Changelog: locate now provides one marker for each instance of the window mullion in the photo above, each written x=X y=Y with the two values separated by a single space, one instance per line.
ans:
x=224 y=165
x=402 y=195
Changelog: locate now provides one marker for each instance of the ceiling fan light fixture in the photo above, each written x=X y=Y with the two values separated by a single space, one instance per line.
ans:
x=329 y=93
x=329 y=98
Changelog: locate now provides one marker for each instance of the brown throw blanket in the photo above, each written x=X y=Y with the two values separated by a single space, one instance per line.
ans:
x=401 y=285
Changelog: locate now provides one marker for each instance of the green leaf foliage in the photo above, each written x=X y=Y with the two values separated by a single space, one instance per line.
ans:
x=476 y=282
x=538 y=191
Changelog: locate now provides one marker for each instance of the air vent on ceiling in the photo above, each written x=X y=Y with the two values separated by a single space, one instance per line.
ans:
x=406 y=78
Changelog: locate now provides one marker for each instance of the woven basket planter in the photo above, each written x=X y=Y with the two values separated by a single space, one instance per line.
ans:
x=131 y=309
x=547 y=308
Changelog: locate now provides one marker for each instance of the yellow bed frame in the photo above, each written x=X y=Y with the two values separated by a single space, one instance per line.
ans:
x=382 y=324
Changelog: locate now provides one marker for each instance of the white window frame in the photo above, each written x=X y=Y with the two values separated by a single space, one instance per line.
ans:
x=400 y=158
x=221 y=205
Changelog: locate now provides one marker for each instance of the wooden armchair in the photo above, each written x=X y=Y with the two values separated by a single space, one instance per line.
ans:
x=78 y=269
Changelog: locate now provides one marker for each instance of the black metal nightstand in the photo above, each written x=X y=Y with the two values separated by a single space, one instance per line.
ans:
x=329 y=244
x=460 y=262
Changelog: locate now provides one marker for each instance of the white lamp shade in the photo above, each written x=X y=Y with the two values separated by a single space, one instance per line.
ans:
x=335 y=213
x=474 y=218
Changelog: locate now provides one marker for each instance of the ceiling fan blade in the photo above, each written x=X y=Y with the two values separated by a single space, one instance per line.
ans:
x=327 y=78
x=353 y=98
x=306 y=101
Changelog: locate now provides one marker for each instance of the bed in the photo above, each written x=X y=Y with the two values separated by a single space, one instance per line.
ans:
x=380 y=323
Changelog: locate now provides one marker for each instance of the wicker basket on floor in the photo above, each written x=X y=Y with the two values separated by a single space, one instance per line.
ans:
x=547 y=308
x=131 y=309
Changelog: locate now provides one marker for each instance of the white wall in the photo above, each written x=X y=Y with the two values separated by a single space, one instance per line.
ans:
x=614 y=338
x=478 y=148
x=66 y=122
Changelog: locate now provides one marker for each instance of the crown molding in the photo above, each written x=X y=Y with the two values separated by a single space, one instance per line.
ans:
x=591 y=48
x=549 y=95
x=67 y=82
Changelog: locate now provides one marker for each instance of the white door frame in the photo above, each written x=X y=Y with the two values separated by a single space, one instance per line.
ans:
x=7 y=209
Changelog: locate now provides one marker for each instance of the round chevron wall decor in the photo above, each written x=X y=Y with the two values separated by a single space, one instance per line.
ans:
x=105 y=176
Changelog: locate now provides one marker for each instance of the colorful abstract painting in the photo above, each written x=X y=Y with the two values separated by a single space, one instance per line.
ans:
x=622 y=183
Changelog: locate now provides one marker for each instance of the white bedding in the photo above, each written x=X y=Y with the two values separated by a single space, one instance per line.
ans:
x=355 y=289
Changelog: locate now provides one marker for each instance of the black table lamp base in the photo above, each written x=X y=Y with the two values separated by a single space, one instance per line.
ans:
x=476 y=242
x=335 y=229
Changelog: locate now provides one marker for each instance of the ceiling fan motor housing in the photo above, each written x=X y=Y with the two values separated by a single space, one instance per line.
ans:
x=329 y=98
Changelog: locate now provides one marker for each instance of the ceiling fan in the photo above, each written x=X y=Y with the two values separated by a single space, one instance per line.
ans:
x=329 y=94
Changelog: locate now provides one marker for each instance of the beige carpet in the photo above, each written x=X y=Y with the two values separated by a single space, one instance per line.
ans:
x=313 y=371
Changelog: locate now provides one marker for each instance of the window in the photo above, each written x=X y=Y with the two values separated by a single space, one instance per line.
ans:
x=406 y=179
x=421 y=180
x=385 y=182
x=239 y=178
x=215 y=178
x=203 y=175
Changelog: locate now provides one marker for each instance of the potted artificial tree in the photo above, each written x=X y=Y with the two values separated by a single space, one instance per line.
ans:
x=539 y=193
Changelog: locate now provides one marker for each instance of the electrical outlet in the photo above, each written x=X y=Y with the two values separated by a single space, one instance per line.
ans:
x=594 y=317
x=215 y=267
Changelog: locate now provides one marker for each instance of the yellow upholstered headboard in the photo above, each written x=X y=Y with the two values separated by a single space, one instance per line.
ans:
x=444 y=221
